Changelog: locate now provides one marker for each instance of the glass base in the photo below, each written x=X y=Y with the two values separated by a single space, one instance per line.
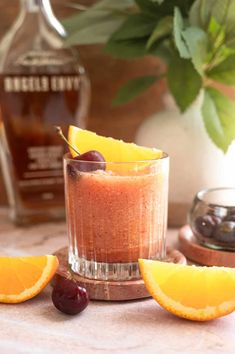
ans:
x=104 y=271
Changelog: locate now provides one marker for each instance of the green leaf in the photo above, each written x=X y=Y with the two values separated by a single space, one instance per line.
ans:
x=231 y=42
x=133 y=88
x=126 y=49
x=136 y=26
x=161 y=50
x=167 y=6
x=178 y=29
x=163 y=28
x=149 y=7
x=217 y=33
x=84 y=19
x=200 y=13
x=225 y=71
x=134 y=48
x=105 y=10
x=195 y=14
x=219 y=118
x=160 y=8
x=222 y=10
x=197 y=43
x=75 y=5
x=118 y=5
x=214 y=27
x=184 y=82
x=96 y=33
x=218 y=43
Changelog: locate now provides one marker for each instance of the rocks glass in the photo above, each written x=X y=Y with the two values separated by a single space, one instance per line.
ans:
x=212 y=218
x=115 y=216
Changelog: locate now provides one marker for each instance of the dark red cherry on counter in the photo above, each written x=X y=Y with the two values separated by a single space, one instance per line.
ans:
x=68 y=297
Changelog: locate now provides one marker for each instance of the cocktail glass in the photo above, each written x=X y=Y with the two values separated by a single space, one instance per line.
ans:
x=115 y=215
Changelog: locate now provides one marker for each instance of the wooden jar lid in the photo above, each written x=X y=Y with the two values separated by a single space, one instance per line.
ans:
x=110 y=290
x=203 y=255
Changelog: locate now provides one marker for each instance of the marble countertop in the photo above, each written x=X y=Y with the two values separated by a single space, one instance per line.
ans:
x=133 y=327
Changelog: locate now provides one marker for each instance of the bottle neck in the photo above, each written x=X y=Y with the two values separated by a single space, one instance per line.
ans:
x=43 y=9
x=35 y=5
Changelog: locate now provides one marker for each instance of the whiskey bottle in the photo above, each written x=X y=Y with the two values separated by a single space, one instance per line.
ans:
x=42 y=84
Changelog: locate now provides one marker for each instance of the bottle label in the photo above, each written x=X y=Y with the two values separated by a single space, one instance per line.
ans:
x=42 y=83
x=43 y=162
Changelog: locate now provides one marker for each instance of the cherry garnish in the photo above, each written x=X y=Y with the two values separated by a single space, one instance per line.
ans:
x=97 y=161
x=68 y=297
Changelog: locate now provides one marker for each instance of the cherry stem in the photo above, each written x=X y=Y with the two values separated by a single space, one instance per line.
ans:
x=60 y=133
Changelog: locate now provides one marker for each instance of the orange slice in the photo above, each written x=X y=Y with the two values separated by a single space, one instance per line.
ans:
x=113 y=150
x=22 y=278
x=195 y=293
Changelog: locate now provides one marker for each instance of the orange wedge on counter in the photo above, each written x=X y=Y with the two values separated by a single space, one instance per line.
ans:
x=194 y=293
x=113 y=150
x=22 y=278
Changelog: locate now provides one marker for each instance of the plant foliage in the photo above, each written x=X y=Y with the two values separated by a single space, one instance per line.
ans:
x=196 y=39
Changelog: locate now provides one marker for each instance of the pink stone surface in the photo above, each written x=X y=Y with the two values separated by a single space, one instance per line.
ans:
x=135 y=327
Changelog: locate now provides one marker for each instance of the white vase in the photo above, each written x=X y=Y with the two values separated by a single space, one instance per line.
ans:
x=195 y=162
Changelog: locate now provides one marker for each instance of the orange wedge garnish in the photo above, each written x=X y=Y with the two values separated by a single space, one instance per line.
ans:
x=22 y=278
x=113 y=150
x=195 y=293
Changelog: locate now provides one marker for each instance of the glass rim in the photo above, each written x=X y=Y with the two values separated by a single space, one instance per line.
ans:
x=164 y=156
x=201 y=194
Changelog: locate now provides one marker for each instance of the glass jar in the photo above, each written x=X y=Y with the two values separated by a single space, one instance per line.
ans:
x=212 y=218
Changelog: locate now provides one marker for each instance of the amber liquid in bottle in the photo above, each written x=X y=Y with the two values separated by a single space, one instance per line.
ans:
x=42 y=85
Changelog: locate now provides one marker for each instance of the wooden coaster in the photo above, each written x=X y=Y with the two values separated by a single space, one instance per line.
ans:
x=202 y=254
x=110 y=290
